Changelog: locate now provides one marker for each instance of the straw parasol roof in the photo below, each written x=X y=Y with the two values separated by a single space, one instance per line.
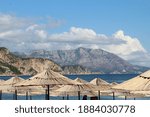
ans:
x=47 y=77
x=80 y=80
x=98 y=81
x=101 y=84
x=135 y=95
x=77 y=87
x=84 y=89
x=113 y=83
x=130 y=95
x=12 y=81
x=138 y=83
x=9 y=84
x=72 y=93
x=141 y=92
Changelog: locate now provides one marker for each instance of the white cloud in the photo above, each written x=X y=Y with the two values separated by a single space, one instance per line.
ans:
x=132 y=44
x=21 y=34
x=32 y=27
x=41 y=33
x=9 y=22
x=83 y=36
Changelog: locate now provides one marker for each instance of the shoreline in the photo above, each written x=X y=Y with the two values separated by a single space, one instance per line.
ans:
x=74 y=74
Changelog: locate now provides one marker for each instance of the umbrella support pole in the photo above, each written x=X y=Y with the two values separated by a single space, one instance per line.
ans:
x=78 y=95
x=113 y=95
x=48 y=97
x=99 y=95
x=46 y=94
x=125 y=97
x=67 y=97
x=15 y=95
x=0 y=94
x=26 y=95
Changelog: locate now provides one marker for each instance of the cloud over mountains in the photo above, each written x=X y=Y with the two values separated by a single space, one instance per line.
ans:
x=23 y=34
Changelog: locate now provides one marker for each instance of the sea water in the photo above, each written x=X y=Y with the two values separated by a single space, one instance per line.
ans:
x=118 y=78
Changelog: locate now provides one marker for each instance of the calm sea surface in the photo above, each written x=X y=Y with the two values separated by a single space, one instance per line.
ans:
x=119 y=78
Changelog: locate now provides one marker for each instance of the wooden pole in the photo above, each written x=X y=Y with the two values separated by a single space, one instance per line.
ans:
x=125 y=97
x=113 y=95
x=78 y=95
x=67 y=96
x=15 y=96
x=26 y=95
x=48 y=92
x=0 y=94
x=99 y=95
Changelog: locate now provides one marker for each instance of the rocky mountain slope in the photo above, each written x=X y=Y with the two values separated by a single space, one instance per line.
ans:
x=75 y=69
x=11 y=64
x=94 y=59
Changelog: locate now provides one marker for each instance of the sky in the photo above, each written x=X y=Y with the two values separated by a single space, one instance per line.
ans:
x=117 y=26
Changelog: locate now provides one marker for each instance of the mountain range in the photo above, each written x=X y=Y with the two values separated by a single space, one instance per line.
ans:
x=11 y=64
x=95 y=60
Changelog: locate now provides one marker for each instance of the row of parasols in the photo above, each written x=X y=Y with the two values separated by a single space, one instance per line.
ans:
x=53 y=83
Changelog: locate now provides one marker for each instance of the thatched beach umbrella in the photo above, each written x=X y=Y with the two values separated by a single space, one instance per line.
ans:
x=72 y=93
x=139 y=83
x=134 y=95
x=78 y=87
x=101 y=85
x=81 y=80
x=119 y=93
x=98 y=81
x=8 y=85
x=146 y=93
x=127 y=95
x=143 y=93
x=113 y=83
x=1 y=81
x=46 y=78
x=12 y=81
x=30 y=91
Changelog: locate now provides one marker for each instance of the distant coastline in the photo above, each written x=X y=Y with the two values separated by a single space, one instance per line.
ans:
x=78 y=61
